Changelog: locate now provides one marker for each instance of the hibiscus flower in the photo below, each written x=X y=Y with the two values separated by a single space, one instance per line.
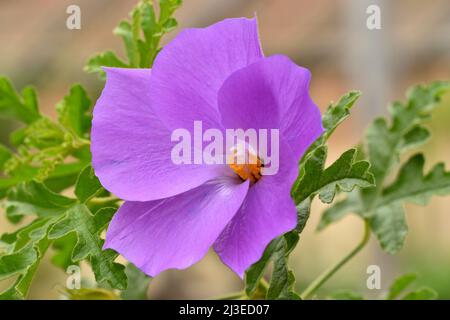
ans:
x=173 y=213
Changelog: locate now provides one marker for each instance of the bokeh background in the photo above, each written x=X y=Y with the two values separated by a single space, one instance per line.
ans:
x=327 y=36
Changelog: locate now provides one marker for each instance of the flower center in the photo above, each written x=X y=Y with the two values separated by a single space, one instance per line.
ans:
x=247 y=165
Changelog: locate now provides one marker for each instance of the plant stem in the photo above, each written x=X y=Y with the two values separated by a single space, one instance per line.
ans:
x=327 y=274
x=263 y=284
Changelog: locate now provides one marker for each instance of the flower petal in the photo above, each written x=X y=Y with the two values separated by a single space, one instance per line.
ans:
x=131 y=149
x=178 y=231
x=272 y=93
x=189 y=71
x=267 y=212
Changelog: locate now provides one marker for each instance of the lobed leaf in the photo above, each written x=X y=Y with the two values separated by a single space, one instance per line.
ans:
x=138 y=283
x=34 y=198
x=89 y=244
x=282 y=281
x=421 y=294
x=18 y=107
x=87 y=185
x=314 y=179
x=343 y=175
x=74 y=111
x=141 y=36
x=382 y=205
x=24 y=258
x=400 y=284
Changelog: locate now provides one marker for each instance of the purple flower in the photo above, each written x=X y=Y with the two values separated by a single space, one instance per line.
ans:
x=174 y=213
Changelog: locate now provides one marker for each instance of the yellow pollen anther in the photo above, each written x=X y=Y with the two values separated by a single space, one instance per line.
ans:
x=250 y=170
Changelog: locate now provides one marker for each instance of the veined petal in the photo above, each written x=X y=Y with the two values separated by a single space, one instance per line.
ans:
x=267 y=212
x=175 y=232
x=189 y=71
x=131 y=148
x=272 y=93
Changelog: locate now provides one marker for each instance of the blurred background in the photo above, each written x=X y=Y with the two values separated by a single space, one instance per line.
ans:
x=330 y=38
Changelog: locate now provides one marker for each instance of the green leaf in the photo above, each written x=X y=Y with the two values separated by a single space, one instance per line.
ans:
x=87 y=185
x=254 y=274
x=91 y=294
x=105 y=59
x=421 y=294
x=385 y=142
x=141 y=37
x=303 y=211
x=148 y=21
x=346 y=295
x=343 y=175
x=34 y=198
x=337 y=113
x=64 y=175
x=24 y=259
x=412 y=185
x=43 y=146
x=5 y=155
x=17 y=262
x=42 y=134
x=138 y=283
x=389 y=225
x=415 y=137
x=63 y=248
x=388 y=218
x=48 y=157
x=282 y=282
x=332 y=118
x=15 y=106
x=167 y=8
x=125 y=31
x=400 y=284
x=89 y=245
x=74 y=112
x=170 y=25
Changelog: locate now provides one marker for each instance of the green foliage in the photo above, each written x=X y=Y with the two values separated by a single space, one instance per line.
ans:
x=314 y=179
x=74 y=112
x=398 y=287
x=91 y=294
x=87 y=185
x=25 y=249
x=21 y=107
x=396 y=291
x=57 y=217
x=400 y=284
x=343 y=175
x=87 y=227
x=282 y=281
x=141 y=36
x=138 y=283
x=34 y=198
x=47 y=158
x=41 y=146
x=382 y=205
x=345 y=295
